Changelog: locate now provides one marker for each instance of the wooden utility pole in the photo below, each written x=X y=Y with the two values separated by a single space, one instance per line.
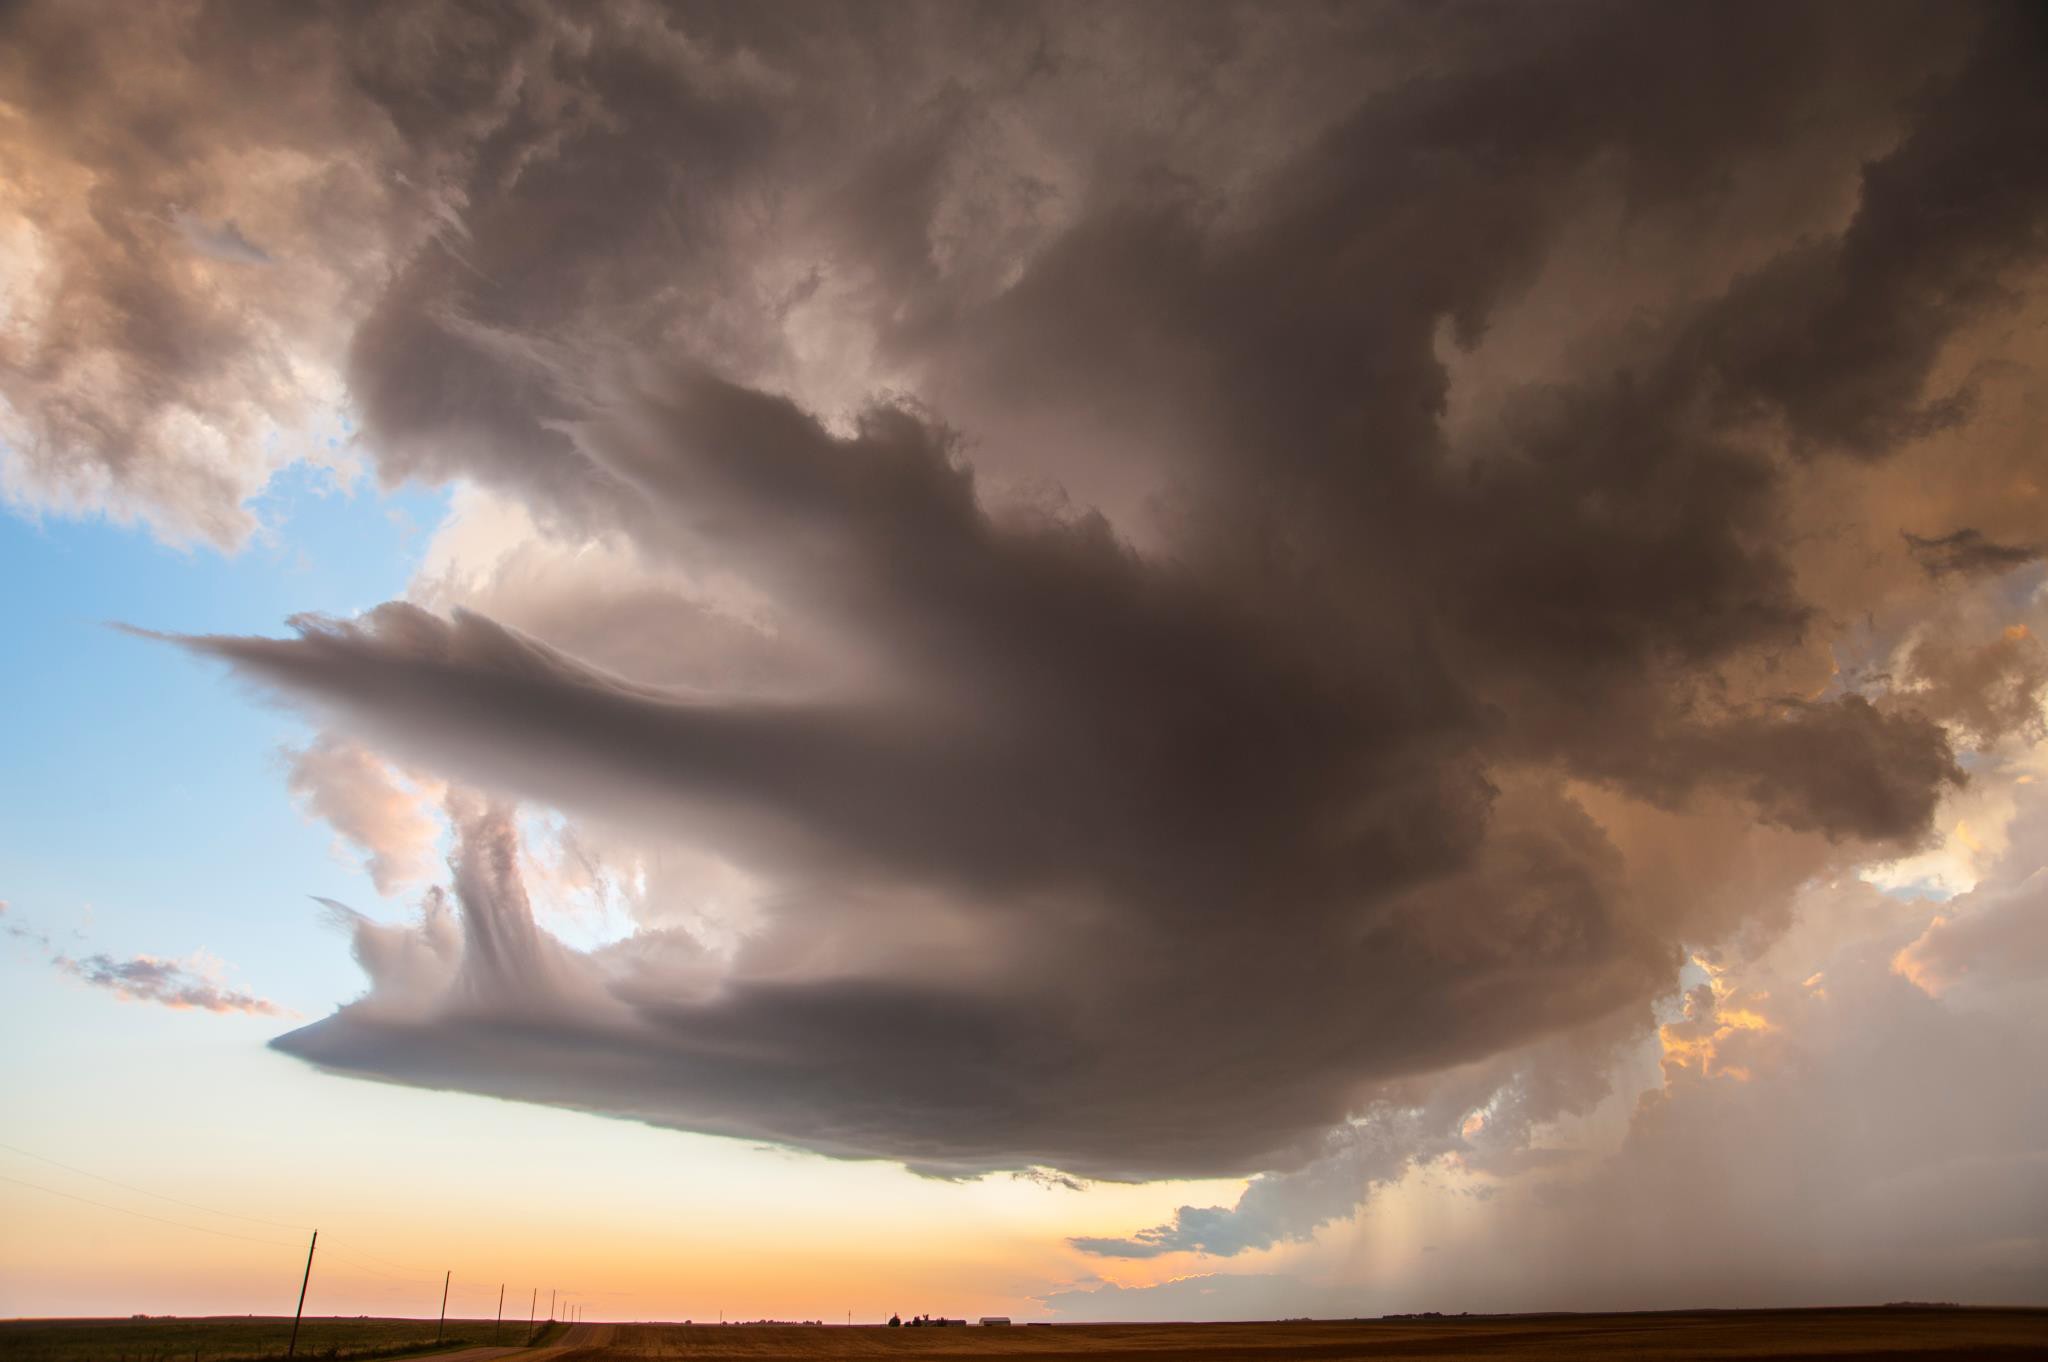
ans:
x=499 y=1323
x=446 y=1278
x=293 y=1346
x=530 y=1307
x=551 y=1304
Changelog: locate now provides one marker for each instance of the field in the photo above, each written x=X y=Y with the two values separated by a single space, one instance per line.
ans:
x=233 y=1338
x=1891 y=1333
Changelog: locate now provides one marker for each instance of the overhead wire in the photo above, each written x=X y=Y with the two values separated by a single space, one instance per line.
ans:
x=125 y=1210
x=144 y=1191
x=348 y=1250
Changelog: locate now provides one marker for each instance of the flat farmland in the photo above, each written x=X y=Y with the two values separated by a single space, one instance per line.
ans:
x=1786 y=1334
x=235 y=1338
x=1751 y=1334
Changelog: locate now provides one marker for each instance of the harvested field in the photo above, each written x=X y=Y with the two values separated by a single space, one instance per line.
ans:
x=1749 y=1334
x=237 y=1338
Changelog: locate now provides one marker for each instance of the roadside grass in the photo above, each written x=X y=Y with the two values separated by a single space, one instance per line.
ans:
x=242 y=1338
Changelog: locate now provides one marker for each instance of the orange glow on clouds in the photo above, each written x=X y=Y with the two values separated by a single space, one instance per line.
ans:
x=1711 y=1039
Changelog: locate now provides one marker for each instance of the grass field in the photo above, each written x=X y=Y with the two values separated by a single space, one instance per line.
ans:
x=233 y=1338
x=1895 y=1334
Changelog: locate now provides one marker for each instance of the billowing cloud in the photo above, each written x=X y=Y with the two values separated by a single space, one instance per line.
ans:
x=1481 y=1116
x=1997 y=933
x=369 y=805
x=1850 y=1113
x=1099 y=527
x=194 y=982
x=157 y=363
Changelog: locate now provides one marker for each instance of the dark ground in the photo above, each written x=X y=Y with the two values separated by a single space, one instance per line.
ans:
x=243 y=1338
x=1890 y=1333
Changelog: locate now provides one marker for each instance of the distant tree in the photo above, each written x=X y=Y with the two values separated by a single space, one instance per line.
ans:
x=895 y=1321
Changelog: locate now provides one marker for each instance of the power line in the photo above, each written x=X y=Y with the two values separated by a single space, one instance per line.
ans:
x=143 y=1215
x=354 y=1254
x=345 y=1254
x=129 y=1187
x=425 y=1274
x=347 y=1248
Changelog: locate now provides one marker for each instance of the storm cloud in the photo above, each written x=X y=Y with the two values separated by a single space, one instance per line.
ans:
x=1967 y=553
x=1085 y=514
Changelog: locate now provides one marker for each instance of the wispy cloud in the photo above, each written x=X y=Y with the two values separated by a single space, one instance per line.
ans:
x=193 y=982
x=12 y=925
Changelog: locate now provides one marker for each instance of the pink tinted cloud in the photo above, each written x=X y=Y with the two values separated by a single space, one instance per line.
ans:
x=180 y=984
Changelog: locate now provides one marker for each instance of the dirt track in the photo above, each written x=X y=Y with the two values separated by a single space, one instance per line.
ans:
x=581 y=1340
x=1789 y=1334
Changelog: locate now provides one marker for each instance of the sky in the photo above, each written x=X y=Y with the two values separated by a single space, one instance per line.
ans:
x=1086 y=662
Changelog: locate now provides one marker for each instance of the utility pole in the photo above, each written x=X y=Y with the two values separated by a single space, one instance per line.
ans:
x=500 y=1322
x=293 y=1346
x=529 y=1309
x=446 y=1278
x=551 y=1304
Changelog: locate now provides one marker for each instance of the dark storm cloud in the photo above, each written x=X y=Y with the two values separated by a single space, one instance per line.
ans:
x=1101 y=891
x=1168 y=838
x=1967 y=553
x=1987 y=688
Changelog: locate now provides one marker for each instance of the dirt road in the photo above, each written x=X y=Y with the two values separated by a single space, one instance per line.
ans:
x=581 y=1340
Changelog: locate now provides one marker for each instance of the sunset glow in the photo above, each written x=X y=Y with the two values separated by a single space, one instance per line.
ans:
x=1065 y=662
